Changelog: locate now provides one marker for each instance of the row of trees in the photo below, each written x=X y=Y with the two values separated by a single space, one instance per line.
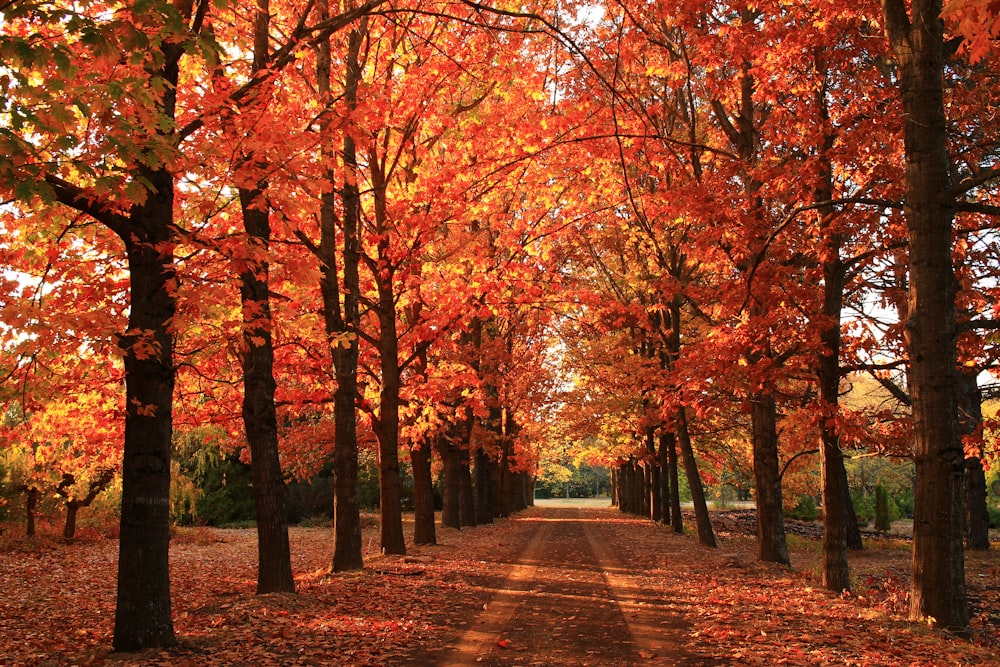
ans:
x=807 y=190
x=471 y=230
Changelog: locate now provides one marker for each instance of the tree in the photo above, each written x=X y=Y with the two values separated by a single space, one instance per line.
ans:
x=143 y=218
x=274 y=569
x=73 y=503
x=917 y=40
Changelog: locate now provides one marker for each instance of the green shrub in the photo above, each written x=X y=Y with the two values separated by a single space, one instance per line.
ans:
x=864 y=506
x=805 y=509
x=903 y=501
x=994 y=516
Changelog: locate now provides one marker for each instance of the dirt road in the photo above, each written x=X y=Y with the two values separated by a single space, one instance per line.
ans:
x=574 y=597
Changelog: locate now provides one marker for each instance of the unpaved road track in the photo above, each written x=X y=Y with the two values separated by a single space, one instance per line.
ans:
x=573 y=598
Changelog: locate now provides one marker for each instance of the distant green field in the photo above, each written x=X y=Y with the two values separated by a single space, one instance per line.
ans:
x=573 y=502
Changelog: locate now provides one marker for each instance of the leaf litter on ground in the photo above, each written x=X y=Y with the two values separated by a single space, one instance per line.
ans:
x=57 y=606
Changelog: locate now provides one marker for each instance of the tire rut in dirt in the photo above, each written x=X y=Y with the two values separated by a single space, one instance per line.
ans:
x=567 y=614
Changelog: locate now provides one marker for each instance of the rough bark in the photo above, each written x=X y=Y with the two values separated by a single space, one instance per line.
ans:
x=676 y=520
x=73 y=505
x=938 y=589
x=485 y=488
x=663 y=460
x=143 y=610
x=31 y=496
x=386 y=423
x=143 y=613
x=704 y=522
x=260 y=420
x=342 y=320
x=451 y=492
x=467 y=503
x=977 y=517
x=836 y=494
x=424 y=531
x=772 y=545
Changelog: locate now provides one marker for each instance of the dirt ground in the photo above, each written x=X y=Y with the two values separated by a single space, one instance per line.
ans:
x=556 y=585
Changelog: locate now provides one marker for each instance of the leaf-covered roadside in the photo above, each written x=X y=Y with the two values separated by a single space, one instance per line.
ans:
x=57 y=603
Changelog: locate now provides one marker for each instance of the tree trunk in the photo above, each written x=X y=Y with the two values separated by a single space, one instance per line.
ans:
x=467 y=503
x=938 y=590
x=771 y=544
x=30 y=504
x=485 y=492
x=69 y=529
x=625 y=482
x=655 y=486
x=639 y=496
x=836 y=494
x=73 y=505
x=387 y=423
x=423 y=495
x=143 y=613
x=647 y=489
x=663 y=460
x=705 y=533
x=676 y=520
x=274 y=565
x=977 y=536
x=342 y=322
x=853 y=530
x=387 y=428
x=977 y=517
x=452 y=484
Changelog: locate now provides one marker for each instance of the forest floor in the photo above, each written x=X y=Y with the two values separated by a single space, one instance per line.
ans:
x=555 y=585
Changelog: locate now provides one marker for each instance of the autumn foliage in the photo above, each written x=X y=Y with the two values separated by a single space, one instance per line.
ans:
x=475 y=238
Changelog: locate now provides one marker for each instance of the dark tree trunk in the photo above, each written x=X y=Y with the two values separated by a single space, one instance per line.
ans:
x=260 y=420
x=503 y=508
x=663 y=460
x=625 y=482
x=625 y=487
x=977 y=517
x=647 y=489
x=655 y=488
x=343 y=321
x=387 y=423
x=423 y=495
x=938 y=590
x=614 y=488
x=387 y=426
x=451 y=493
x=639 y=495
x=485 y=471
x=73 y=505
x=705 y=533
x=853 y=530
x=977 y=536
x=143 y=613
x=72 y=509
x=467 y=503
x=836 y=494
x=676 y=520
x=771 y=544
x=30 y=504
